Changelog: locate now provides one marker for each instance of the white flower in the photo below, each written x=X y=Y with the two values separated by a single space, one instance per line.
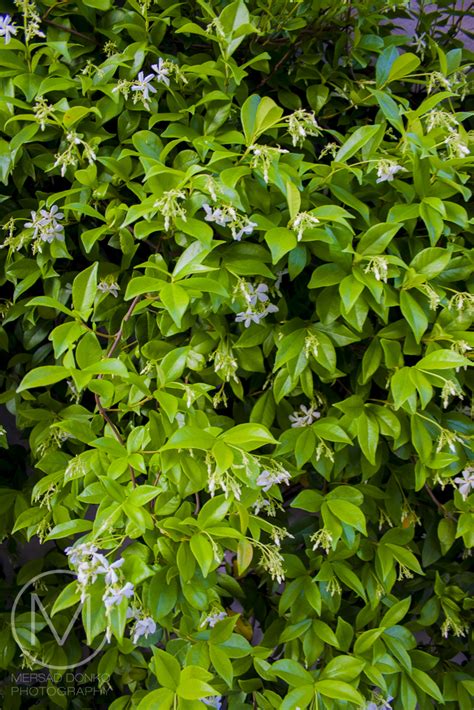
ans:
x=219 y=216
x=111 y=576
x=143 y=627
x=79 y=552
x=387 y=169
x=248 y=317
x=305 y=417
x=46 y=225
x=466 y=482
x=114 y=596
x=302 y=222
x=255 y=294
x=456 y=146
x=7 y=28
x=111 y=287
x=268 y=478
x=161 y=71
x=215 y=702
x=142 y=83
x=246 y=229
x=212 y=619
x=302 y=123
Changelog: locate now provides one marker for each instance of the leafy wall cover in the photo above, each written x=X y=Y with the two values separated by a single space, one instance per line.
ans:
x=235 y=311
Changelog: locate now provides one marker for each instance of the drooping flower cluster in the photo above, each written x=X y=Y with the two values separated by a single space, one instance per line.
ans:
x=258 y=306
x=263 y=157
x=301 y=222
x=225 y=363
x=109 y=286
x=71 y=155
x=440 y=119
x=387 y=169
x=213 y=618
x=273 y=476
x=301 y=124
x=227 y=216
x=169 y=207
x=457 y=148
x=144 y=625
x=305 y=416
x=322 y=538
x=46 y=225
x=32 y=20
x=43 y=111
x=378 y=266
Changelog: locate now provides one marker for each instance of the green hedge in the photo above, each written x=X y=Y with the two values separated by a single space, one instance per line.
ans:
x=236 y=303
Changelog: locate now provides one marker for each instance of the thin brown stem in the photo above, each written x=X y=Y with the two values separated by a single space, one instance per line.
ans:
x=70 y=30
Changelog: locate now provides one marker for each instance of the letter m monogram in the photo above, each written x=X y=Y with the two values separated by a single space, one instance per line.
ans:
x=36 y=602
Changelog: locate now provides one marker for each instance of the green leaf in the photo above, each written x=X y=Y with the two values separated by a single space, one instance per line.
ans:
x=71 y=527
x=442 y=360
x=203 y=552
x=414 y=314
x=166 y=669
x=84 y=290
x=248 y=436
x=161 y=698
x=355 y=142
x=175 y=300
x=338 y=690
x=280 y=241
x=43 y=376
x=348 y=513
x=403 y=65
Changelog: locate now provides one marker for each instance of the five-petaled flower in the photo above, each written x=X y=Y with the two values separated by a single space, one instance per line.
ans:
x=143 y=84
x=7 y=28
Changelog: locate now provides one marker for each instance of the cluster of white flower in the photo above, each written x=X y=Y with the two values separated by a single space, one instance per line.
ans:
x=440 y=119
x=301 y=222
x=278 y=534
x=433 y=298
x=228 y=216
x=263 y=156
x=457 y=148
x=7 y=28
x=109 y=286
x=43 y=111
x=221 y=479
x=322 y=538
x=311 y=345
x=387 y=169
x=32 y=20
x=213 y=618
x=450 y=389
x=224 y=362
x=378 y=266
x=271 y=561
x=465 y=482
x=258 y=306
x=71 y=155
x=304 y=417
x=448 y=438
x=169 y=207
x=302 y=123
x=142 y=86
x=46 y=225
x=268 y=506
x=89 y=564
x=462 y=301
x=274 y=476
x=454 y=624
x=144 y=625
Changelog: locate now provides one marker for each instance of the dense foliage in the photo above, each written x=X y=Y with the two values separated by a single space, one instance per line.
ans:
x=235 y=331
